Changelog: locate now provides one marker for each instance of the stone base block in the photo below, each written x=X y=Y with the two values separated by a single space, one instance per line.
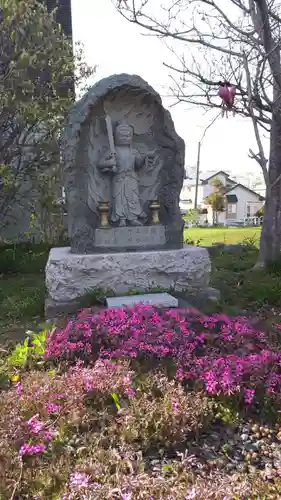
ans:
x=71 y=276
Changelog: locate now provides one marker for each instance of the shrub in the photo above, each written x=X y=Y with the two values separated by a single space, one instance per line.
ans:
x=50 y=421
x=40 y=414
x=161 y=413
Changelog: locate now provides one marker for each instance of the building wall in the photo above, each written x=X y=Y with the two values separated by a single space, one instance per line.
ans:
x=209 y=188
x=246 y=201
x=63 y=15
x=188 y=193
x=247 y=206
x=209 y=216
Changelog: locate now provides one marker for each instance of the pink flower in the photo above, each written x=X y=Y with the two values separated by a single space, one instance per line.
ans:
x=49 y=435
x=28 y=449
x=249 y=396
x=191 y=494
x=79 y=480
x=130 y=392
x=126 y=496
x=227 y=354
x=175 y=406
x=53 y=408
x=19 y=388
x=35 y=425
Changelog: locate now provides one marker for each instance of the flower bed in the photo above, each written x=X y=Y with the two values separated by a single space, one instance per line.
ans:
x=143 y=404
x=227 y=355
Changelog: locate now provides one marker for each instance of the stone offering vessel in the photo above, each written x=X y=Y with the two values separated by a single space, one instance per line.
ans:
x=120 y=147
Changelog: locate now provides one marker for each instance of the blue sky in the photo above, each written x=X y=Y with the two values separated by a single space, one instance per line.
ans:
x=116 y=46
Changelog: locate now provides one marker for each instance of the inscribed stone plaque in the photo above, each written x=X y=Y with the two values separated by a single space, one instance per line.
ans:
x=130 y=237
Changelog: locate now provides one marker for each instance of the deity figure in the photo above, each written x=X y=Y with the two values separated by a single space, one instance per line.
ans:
x=122 y=162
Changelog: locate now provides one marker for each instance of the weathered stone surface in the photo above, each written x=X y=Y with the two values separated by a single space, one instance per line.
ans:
x=155 y=170
x=55 y=309
x=153 y=299
x=69 y=275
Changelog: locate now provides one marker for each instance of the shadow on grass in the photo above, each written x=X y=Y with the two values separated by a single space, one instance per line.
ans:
x=243 y=289
x=22 y=289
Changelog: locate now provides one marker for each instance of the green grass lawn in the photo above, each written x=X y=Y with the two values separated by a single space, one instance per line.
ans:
x=210 y=236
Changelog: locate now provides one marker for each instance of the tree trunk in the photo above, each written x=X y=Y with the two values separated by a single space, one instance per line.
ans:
x=270 y=241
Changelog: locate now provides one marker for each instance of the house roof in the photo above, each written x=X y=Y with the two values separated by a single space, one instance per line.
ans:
x=261 y=198
x=221 y=172
x=235 y=184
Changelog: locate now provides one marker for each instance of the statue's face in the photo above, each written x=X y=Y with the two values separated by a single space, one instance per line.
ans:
x=123 y=134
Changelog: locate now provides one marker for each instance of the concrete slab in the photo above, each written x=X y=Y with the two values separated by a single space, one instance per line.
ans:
x=153 y=299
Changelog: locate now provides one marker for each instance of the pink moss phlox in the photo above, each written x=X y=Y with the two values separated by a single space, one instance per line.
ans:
x=105 y=377
x=38 y=431
x=36 y=426
x=226 y=354
x=29 y=449
x=79 y=480
x=53 y=408
x=19 y=388
x=249 y=396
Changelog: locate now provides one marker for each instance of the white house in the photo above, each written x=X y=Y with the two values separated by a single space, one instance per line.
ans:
x=187 y=196
x=241 y=202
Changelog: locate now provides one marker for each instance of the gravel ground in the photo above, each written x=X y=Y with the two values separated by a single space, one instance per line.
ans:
x=247 y=448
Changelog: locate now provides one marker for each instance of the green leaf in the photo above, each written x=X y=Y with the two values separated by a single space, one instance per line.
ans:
x=116 y=400
x=20 y=355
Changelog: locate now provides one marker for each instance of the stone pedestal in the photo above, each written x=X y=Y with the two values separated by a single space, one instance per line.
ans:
x=70 y=276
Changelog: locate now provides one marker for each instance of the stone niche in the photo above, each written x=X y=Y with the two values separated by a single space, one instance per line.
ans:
x=123 y=98
x=123 y=174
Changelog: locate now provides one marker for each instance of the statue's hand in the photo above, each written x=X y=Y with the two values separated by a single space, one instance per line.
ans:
x=148 y=160
x=111 y=157
x=108 y=163
x=107 y=168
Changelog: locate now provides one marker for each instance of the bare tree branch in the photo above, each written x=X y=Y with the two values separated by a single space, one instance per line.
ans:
x=260 y=158
x=221 y=40
x=215 y=84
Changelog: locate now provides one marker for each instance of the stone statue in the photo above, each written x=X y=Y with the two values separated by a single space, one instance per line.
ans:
x=122 y=162
x=124 y=165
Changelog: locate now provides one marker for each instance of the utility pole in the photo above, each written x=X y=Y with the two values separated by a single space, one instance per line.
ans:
x=197 y=175
x=198 y=159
